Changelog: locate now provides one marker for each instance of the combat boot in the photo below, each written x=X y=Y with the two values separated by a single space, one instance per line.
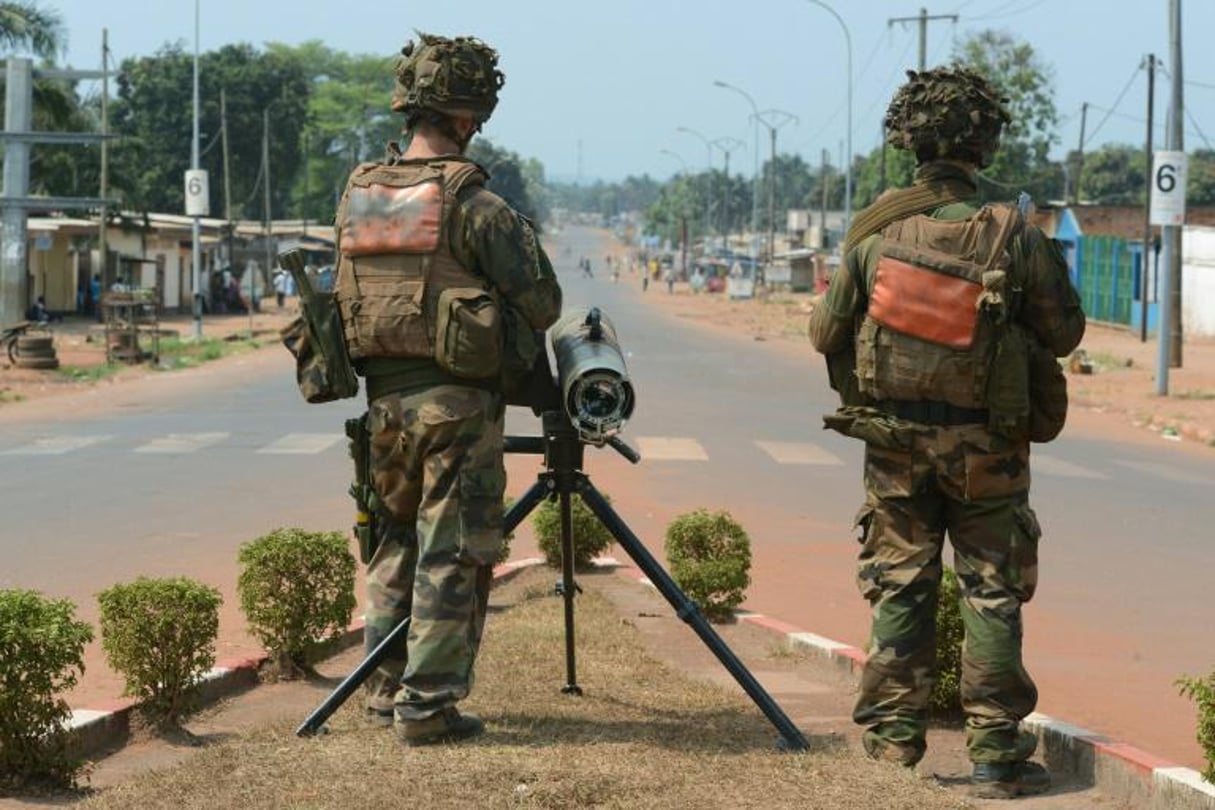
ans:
x=446 y=725
x=380 y=718
x=884 y=750
x=1007 y=780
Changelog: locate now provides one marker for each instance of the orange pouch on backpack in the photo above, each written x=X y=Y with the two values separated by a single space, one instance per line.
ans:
x=925 y=304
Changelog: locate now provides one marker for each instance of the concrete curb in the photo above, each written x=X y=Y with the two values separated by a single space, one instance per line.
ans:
x=95 y=732
x=1121 y=770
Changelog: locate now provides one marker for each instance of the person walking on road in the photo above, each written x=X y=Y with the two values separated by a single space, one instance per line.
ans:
x=941 y=330
x=421 y=242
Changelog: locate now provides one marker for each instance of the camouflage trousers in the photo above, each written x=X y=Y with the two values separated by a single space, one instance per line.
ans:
x=437 y=468
x=975 y=487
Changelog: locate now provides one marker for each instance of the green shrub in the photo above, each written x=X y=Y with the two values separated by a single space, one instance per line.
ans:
x=710 y=556
x=297 y=590
x=1202 y=692
x=41 y=655
x=590 y=538
x=946 y=698
x=159 y=634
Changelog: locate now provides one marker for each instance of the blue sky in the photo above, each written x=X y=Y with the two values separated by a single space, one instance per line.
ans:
x=604 y=87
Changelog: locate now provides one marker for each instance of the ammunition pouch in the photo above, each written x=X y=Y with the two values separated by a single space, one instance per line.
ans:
x=1048 y=394
x=361 y=489
x=468 y=333
x=323 y=370
x=1008 y=384
x=873 y=427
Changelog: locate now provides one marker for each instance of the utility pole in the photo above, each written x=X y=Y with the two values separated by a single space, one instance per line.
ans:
x=825 y=182
x=773 y=120
x=223 y=132
x=923 y=19
x=265 y=199
x=1177 y=143
x=882 y=162
x=1144 y=265
x=726 y=145
x=102 y=235
x=1080 y=154
x=196 y=228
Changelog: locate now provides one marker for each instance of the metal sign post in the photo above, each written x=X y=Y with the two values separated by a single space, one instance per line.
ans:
x=1168 y=211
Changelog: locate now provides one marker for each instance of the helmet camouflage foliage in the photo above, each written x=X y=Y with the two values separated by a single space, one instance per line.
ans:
x=454 y=76
x=947 y=112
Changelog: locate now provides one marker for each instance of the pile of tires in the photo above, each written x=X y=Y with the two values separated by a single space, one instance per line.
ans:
x=35 y=351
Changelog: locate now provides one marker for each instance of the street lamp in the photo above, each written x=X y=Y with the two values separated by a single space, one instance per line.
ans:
x=848 y=162
x=727 y=145
x=708 y=168
x=683 y=164
x=755 y=181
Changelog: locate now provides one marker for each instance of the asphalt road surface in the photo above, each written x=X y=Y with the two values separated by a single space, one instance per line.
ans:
x=174 y=473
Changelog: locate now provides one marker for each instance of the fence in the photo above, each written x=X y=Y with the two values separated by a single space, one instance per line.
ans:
x=1107 y=278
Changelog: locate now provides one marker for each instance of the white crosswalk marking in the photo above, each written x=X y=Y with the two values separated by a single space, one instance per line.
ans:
x=1052 y=465
x=1166 y=472
x=55 y=445
x=799 y=453
x=301 y=444
x=181 y=442
x=670 y=448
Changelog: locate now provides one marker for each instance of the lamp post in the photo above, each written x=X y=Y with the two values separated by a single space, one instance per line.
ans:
x=848 y=162
x=683 y=164
x=727 y=145
x=683 y=223
x=755 y=181
x=708 y=168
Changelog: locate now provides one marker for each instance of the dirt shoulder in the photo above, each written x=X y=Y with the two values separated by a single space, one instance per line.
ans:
x=1122 y=383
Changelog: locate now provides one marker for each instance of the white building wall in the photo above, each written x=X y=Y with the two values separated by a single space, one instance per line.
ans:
x=1198 y=280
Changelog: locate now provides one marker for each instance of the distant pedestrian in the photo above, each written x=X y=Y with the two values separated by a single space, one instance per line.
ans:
x=280 y=287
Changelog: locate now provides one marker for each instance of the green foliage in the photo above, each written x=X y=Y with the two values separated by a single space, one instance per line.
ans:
x=946 y=697
x=24 y=26
x=41 y=655
x=159 y=634
x=1113 y=175
x=297 y=590
x=1202 y=692
x=710 y=556
x=868 y=181
x=154 y=111
x=1022 y=162
x=589 y=537
x=520 y=182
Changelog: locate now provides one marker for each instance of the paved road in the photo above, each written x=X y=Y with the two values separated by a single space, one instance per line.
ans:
x=180 y=472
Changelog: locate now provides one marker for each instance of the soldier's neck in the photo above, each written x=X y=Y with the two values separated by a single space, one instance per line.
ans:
x=430 y=143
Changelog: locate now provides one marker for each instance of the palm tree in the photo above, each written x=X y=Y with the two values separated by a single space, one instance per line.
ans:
x=24 y=26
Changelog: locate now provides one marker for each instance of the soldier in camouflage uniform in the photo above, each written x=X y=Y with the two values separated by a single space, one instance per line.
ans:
x=937 y=464
x=431 y=266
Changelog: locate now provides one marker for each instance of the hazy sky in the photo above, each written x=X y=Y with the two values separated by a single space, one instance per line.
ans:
x=600 y=89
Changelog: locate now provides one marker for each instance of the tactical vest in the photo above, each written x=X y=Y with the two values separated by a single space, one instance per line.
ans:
x=940 y=302
x=401 y=291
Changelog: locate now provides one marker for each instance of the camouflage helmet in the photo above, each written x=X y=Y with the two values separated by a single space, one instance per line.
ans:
x=947 y=112
x=453 y=76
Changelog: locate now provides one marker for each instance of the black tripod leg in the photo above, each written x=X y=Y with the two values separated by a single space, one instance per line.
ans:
x=522 y=507
x=567 y=592
x=686 y=609
x=312 y=724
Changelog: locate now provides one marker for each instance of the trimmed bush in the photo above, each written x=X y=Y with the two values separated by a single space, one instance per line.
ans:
x=1202 y=692
x=590 y=538
x=946 y=698
x=297 y=591
x=41 y=656
x=159 y=634
x=710 y=556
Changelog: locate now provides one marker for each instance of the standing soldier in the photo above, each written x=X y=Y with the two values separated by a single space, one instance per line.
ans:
x=440 y=285
x=941 y=332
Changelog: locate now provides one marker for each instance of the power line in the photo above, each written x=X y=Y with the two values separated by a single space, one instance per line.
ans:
x=1000 y=13
x=1117 y=101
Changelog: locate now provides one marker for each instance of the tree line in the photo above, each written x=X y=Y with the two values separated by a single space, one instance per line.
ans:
x=318 y=111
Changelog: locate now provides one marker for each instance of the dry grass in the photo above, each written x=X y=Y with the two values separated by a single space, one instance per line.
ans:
x=642 y=736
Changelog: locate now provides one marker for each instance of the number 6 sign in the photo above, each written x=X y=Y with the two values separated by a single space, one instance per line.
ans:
x=198 y=196
x=1168 y=188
